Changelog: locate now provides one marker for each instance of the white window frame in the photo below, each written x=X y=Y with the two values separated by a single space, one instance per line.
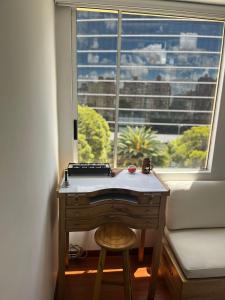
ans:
x=65 y=37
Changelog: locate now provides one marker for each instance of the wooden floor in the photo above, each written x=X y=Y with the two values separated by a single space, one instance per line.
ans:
x=81 y=274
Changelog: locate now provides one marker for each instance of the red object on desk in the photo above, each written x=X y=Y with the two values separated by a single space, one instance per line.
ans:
x=131 y=169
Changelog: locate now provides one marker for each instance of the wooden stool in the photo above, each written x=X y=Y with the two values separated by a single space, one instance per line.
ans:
x=114 y=237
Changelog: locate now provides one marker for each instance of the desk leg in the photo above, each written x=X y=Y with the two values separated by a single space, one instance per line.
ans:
x=154 y=268
x=67 y=249
x=142 y=246
x=157 y=251
x=62 y=249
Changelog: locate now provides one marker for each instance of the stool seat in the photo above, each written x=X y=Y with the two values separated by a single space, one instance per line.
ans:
x=115 y=237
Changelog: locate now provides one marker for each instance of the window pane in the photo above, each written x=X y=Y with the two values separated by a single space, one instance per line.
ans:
x=96 y=87
x=134 y=24
x=167 y=133
x=96 y=43
x=185 y=42
x=97 y=27
x=96 y=84
x=144 y=73
x=92 y=14
x=134 y=116
x=164 y=88
x=172 y=103
x=97 y=101
x=91 y=58
x=153 y=87
x=96 y=73
x=163 y=58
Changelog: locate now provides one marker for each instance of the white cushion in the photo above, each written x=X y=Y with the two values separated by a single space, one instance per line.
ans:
x=199 y=204
x=199 y=252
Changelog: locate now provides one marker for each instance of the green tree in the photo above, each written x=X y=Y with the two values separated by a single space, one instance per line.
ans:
x=190 y=149
x=93 y=136
x=136 y=143
x=84 y=149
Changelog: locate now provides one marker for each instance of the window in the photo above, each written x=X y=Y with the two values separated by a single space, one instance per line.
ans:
x=150 y=84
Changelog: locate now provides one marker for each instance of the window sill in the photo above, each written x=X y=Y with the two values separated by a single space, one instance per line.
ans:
x=183 y=174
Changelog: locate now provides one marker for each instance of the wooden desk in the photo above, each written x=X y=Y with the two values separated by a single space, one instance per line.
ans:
x=137 y=200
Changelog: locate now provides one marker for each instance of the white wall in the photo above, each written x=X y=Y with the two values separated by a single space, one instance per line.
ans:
x=28 y=150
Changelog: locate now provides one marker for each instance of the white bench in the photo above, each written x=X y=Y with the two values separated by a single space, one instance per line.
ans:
x=193 y=261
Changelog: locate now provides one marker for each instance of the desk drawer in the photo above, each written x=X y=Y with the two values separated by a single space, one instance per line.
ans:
x=106 y=209
x=93 y=215
x=74 y=200
x=88 y=224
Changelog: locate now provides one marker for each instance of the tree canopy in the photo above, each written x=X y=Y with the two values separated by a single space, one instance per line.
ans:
x=190 y=149
x=93 y=136
x=136 y=143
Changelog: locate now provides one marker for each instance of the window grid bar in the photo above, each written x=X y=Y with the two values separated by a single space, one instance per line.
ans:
x=143 y=66
x=146 y=96
x=118 y=59
x=174 y=35
x=97 y=20
x=149 y=51
x=139 y=19
x=149 y=81
x=171 y=51
x=96 y=66
x=150 y=35
x=156 y=123
x=74 y=76
x=171 y=82
x=168 y=67
x=96 y=80
x=167 y=96
x=153 y=110
x=95 y=35
x=96 y=51
x=95 y=94
x=164 y=19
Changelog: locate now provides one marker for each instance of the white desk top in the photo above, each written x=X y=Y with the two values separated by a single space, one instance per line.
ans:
x=136 y=182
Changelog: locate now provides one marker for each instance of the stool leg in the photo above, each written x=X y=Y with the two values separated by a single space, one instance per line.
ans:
x=142 y=246
x=127 y=275
x=98 y=280
x=67 y=250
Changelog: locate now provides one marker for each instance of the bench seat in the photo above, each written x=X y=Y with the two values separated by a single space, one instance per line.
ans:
x=199 y=252
x=193 y=259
